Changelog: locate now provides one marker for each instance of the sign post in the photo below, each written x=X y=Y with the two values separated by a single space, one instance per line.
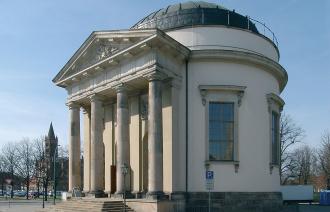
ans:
x=209 y=180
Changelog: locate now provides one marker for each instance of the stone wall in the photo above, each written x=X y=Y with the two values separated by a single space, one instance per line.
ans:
x=235 y=201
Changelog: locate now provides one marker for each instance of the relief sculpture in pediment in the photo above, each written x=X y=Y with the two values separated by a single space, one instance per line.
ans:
x=104 y=50
x=97 y=52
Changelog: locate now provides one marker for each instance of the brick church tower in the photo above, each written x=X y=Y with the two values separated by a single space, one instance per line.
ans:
x=51 y=143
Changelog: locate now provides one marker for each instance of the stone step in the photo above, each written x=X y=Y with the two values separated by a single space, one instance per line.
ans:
x=72 y=210
x=114 y=207
x=84 y=210
x=88 y=206
x=97 y=205
x=82 y=203
x=91 y=204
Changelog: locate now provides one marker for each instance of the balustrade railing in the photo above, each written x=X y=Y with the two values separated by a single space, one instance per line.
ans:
x=229 y=19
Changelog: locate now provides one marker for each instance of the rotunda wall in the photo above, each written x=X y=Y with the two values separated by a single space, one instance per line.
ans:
x=222 y=37
x=253 y=174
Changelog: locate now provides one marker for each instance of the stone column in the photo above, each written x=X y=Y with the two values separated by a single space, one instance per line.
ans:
x=122 y=138
x=87 y=149
x=97 y=148
x=155 y=138
x=74 y=147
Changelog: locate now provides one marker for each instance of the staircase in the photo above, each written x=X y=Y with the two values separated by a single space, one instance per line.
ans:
x=86 y=205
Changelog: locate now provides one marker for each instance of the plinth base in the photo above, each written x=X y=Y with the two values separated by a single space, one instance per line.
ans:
x=120 y=195
x=96 y=194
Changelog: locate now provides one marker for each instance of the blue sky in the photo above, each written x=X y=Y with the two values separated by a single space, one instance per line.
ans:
x=38 y=37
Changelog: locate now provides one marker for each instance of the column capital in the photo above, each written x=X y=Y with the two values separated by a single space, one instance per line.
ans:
x=155 y=75
x=86 y=110
x=173 y=82
x=73 y=105
x=121 y=87
x=95 y=97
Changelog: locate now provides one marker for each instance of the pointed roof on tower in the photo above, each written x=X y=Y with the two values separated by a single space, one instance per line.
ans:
x=51 y=134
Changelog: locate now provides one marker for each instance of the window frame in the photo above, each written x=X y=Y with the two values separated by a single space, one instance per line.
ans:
x=275 y=105
x=277 y=126
x=222 y=94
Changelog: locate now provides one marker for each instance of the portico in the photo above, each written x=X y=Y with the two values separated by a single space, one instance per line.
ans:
x=122 y=102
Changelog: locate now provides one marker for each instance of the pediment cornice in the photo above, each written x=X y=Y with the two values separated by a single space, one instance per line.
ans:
x=104 y=49
x=98 y=46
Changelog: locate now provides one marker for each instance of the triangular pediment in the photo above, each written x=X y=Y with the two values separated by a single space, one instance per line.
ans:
x=99 y=46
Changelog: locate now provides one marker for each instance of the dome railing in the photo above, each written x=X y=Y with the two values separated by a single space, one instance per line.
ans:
x=263 y=29
x=251 y=25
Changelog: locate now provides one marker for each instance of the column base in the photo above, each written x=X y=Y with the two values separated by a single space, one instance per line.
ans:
x=120 y=194
x=137 y=194
x=108 y=193
x=155 y=195
x=96 y=194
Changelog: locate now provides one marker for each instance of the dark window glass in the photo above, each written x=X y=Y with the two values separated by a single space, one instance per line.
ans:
x=221 y=131
x=275 y=138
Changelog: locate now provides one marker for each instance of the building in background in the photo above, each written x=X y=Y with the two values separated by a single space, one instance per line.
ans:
x=189 y=89
x=50 y=145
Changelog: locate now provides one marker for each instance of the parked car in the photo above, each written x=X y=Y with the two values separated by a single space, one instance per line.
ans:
x=20 y=193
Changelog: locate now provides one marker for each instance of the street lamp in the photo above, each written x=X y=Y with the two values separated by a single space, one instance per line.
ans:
x=124 y=171
x=54 y=160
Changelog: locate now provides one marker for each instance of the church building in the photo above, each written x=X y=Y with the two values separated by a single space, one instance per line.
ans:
x=189 y=92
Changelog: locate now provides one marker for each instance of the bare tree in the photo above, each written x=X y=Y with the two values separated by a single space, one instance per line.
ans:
x=2 y=172
x=324 y=157
x=304 y=158
x=290 y=134
x=25 y=162
x=63 y=152
x=9 y=159
x=38 y=157
x=42 y=166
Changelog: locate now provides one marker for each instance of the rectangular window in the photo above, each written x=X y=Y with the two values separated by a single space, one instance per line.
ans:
x=221 y=131
x=275 y=139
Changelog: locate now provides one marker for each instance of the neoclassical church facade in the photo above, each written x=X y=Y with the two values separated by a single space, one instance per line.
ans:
x=190 y=88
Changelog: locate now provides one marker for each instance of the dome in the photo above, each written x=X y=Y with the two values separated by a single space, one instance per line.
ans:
x=194 y=13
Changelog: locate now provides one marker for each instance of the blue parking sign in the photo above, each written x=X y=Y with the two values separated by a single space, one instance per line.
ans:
x=209 y=175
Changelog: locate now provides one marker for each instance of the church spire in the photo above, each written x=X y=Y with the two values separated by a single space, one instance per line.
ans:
x=51 y=134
